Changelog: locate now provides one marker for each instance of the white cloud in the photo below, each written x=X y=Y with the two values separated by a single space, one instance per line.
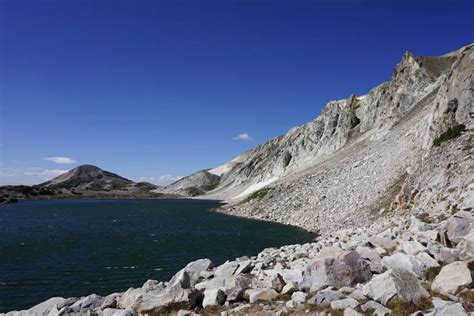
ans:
x=61 y=160
x=163 y=179
x=28 y=175
x=45 y=173
x=243 y=136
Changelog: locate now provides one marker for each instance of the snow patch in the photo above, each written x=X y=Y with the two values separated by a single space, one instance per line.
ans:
x=222 y=169
x=255 y=187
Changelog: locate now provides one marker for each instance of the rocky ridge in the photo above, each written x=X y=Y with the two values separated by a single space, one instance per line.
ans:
x=410 y=144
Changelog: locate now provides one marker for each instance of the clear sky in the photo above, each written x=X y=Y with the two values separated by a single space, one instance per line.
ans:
x=159 y=89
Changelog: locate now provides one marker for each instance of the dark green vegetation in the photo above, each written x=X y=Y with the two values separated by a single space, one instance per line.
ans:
x=78 y=247
x=432 y=272
x=402 y=307
x=451 y=133
x=12 y=193
x=389 y=197
x=257 y=195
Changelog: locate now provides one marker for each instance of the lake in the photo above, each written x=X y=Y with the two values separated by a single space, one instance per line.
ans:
x=77 y=247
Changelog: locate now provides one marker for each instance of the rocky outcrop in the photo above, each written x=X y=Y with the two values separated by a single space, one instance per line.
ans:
x=401 y=146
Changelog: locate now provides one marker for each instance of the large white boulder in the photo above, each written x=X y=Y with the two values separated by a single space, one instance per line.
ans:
x=345 y=269
x=213 y=297
x=452 y=278
x=394 y=283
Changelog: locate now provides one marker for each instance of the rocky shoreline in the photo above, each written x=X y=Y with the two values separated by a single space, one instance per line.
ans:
x=398 y=266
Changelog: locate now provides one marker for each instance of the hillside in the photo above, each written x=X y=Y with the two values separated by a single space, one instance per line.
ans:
x=82 y=181
x=366 y=155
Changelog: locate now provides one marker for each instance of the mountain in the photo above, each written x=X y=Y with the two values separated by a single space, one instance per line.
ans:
x=82 y=181
x=405 y=143
x=196 y=184
x=88 y=177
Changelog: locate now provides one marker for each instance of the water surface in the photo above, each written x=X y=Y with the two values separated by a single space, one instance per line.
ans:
x=78 y=247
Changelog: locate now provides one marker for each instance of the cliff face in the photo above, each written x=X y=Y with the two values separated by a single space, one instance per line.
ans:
x=351 y=162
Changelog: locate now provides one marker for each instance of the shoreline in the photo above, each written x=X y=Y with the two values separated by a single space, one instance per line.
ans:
x=285 y=280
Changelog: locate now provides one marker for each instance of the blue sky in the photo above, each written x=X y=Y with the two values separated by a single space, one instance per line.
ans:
x=159 y=89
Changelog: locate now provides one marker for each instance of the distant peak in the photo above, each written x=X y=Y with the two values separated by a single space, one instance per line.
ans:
x=87 y=167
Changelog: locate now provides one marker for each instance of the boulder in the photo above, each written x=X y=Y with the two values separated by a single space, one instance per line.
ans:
x=245 y=266
x=43 y=308
x=110 y=301
x=452 y=278
x=226 y=269
x=358 y=295
x=347 y=269
x=351 y=312
x=466 y=246
x=427 y=260
x=459 y=225
x=167 y=300
x=344 y=303
x=127 y=299
x=89 y=302
x=153 y=286
x=262 y=295
x=213 y=297
x=372 y=256
x=116 y=312
x=274 y=281
x=375 y=308
x=294 y=275
x=297 y=300
x=383 y=242
x=442 y=308
x=394 y=283
x=289 y=288
x=233 y=286
x=412 y=247
x=406 y=262
x=187 y=277
x=452 y=310
x=325 y=297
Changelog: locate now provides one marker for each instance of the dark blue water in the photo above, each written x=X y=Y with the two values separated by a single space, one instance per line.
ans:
x=72 y=248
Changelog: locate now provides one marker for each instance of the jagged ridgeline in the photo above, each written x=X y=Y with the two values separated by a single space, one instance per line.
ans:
x=361 y=157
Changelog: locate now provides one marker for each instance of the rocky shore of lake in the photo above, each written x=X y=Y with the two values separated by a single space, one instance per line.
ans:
x=404 y=265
